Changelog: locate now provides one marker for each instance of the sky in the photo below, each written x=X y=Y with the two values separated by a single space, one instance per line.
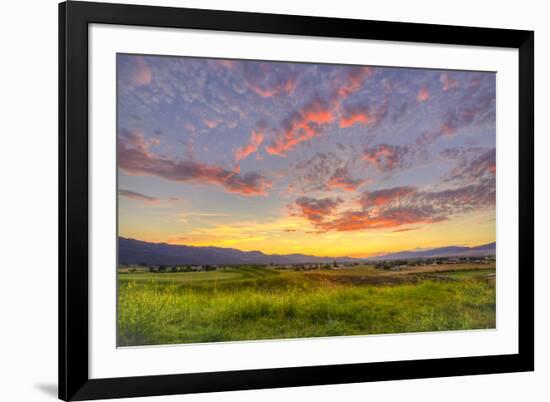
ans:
x=319 y=159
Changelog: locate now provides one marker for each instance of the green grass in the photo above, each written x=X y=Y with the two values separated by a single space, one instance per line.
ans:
x=261 y=303
x=471 y=273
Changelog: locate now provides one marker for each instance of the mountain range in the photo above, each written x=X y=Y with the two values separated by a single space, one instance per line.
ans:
x=131 y=251
x=450 y=251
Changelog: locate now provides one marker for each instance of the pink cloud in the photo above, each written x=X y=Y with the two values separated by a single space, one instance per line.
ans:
x=316 y=210
x=227 y=63
x=423 y=94
x=382 y=197
x=142 y=73
x=308 y=122
x=135 y=157
x=399 y=206
x=385 y=157
x=447 y=82
x=341 y=180
x=353 y=81
x=211 y=123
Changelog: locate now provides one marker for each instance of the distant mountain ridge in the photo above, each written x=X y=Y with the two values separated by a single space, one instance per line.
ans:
x=451 y=251
x=131 y=251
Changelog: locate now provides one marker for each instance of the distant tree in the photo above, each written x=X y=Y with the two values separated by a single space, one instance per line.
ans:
x=334 y=264
x=383 y=264
x=151 y=269
x=162 y=268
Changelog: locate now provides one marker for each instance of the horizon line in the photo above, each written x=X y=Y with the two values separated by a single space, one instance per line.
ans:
x=375 y=254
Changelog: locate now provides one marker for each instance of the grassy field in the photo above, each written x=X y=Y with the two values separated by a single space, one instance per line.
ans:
x=245 y=303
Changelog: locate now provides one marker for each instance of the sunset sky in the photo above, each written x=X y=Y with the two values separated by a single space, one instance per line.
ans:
x=319 y=159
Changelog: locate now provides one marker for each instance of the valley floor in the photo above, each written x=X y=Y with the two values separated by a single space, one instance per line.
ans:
x=248 y=303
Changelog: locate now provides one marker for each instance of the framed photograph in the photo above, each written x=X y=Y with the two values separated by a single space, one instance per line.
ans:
x=258 y=201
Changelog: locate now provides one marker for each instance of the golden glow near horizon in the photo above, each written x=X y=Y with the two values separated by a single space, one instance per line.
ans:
x=295 y=235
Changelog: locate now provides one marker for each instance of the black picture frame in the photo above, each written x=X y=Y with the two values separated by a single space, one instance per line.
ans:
x=74 y=381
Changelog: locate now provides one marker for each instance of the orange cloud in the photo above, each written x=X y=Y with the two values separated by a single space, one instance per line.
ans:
x=318 y=111
x=301 y=126
x=320 y=212
x=351 y=119
x=142 y=73
x=353 y=81
x=308 y=122
x=398 y=206
x=351 y=114
x=256 y=139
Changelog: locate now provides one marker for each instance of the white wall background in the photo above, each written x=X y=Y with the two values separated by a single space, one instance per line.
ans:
x=28 y=199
